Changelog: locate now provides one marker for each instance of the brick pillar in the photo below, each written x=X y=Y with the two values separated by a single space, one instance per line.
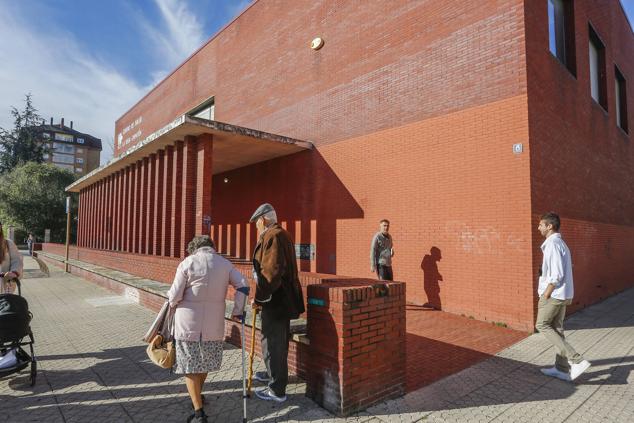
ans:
x=151 y=206
x=167 y=200
x=95 y=215
x=109 y=211
x=120 y=205
x=111 y=222
x=177 y=189
x=159 y=183
x=136 y=187
x=127 y=223
x=188 y=202
x=356 y=329
x=100 y=213
x=204 y=176
x=143 y=211
x=89 y=212
x=79 y=219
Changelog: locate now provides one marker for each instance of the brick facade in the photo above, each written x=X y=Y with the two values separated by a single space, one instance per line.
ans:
x=414 y=116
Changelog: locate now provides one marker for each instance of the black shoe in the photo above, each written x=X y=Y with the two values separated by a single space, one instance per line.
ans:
x=200 y=418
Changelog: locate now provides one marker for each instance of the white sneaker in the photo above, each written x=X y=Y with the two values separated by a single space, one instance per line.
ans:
x=577 y=369
x=554 y=372
x=268 y=395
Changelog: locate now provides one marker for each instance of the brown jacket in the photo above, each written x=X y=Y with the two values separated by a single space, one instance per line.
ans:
x=276 y=268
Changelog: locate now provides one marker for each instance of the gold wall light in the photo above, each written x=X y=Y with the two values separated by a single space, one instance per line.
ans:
x=317 y=43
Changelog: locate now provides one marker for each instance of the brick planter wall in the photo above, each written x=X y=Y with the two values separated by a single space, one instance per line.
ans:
x=357 y=343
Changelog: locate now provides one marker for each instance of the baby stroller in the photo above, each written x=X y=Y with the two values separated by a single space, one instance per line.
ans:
x=15 y=320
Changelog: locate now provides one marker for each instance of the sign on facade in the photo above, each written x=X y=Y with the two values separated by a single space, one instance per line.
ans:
x=305 y=251
x=47 y=235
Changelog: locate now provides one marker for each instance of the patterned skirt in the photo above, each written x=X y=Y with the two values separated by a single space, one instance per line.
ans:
x=198 y=357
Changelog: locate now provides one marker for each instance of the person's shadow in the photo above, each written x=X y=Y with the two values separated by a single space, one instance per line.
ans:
x=429 y=265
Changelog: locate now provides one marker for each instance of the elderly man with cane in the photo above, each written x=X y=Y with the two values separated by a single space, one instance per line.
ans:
x=279 y=297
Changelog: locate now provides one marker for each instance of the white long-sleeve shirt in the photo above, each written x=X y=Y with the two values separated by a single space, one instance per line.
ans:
x=556 y=268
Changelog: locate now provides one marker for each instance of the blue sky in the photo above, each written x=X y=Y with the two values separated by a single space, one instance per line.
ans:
x=90 y=60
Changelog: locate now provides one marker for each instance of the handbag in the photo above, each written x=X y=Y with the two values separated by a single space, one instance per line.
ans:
x=161 y=349
x=161 y=352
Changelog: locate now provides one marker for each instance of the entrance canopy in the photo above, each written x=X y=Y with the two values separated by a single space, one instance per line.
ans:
x=233 y=147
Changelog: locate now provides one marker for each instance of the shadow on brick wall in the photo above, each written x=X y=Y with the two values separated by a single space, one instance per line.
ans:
x=307 y=195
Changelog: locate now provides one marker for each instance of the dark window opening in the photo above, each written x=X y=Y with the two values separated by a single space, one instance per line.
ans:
x=598 y=82
x=621 y=99
x=561 y=32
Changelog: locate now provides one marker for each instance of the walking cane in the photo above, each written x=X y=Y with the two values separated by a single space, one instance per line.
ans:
x=254 y=313
x=245 y=291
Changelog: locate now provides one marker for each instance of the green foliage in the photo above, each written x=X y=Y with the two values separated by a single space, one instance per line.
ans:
x=23 y=143
x=32 y=197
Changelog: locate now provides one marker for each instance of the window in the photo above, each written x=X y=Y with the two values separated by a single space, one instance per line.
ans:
x=45 y=156
x=64 y=166
x=620 y=89
x=79 y=150
x=78 y=170
x=63 y=148
x=63 y=158
x=46 y=135
x=561 y=32
x=598 y=89
x=79 y=160
x=63 y=137
x=80 y=140
x=204 y=111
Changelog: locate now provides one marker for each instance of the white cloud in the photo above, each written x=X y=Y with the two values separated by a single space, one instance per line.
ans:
x=64 y=80
x=67 y=81
x=181 y=34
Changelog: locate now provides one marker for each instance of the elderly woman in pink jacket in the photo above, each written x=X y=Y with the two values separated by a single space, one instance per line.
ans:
x=198 y=293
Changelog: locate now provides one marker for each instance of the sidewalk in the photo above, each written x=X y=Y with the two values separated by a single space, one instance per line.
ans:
x=93 y=368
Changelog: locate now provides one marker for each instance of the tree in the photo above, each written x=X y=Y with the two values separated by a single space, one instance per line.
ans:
x=23 y=143
x=32 y=197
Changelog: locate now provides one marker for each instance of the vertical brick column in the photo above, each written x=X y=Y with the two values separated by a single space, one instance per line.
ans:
x=357 y=343
x=143 y=210
x=127 y=227
x=136 y=188
x=80 y=207
x=115 y=208
x=89 y=212
x=188 y=202
x=204 y=176
x=120 y=205
x=150 y=205
x=168 y=194
x=159 y=183
x=100 y=213
x=93 y=215
x=177 y=189
x=109 y=211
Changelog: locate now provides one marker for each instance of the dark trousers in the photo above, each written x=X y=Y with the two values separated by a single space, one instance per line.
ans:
x=276 y=333
x=384 y=272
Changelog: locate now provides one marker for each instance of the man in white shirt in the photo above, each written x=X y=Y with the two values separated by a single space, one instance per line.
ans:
x=555 y=292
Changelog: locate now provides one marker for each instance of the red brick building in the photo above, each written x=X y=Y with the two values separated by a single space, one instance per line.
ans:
x=460 y=121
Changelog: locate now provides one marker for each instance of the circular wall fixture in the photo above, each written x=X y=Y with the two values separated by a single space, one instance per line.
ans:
x=226 y=180
x=317 y=43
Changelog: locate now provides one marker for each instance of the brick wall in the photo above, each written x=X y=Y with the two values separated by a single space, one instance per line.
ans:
x=157 y=268
x=450 y=182
x=357 y=324
x=404 y=62
x=581 y=162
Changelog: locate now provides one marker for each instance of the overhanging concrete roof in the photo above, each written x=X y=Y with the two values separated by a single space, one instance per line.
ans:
x=234 y=147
